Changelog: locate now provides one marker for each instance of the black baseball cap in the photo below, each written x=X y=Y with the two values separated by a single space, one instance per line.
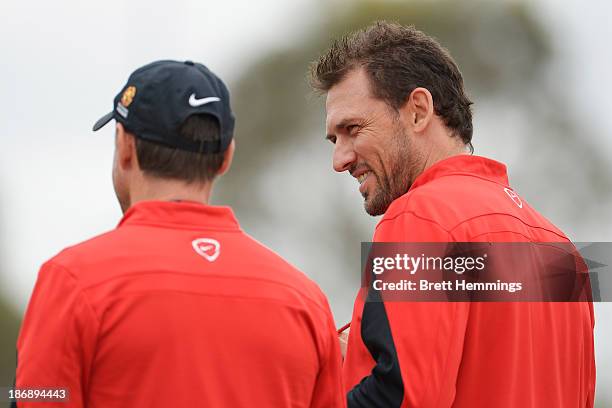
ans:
x=159 y=96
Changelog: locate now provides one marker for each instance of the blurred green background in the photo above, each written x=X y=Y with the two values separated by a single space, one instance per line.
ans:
x=282 y=186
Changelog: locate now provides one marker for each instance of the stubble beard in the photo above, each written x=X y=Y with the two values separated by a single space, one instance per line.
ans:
x=395 y=183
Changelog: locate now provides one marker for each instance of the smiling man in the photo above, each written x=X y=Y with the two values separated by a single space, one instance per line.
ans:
x=401 y=124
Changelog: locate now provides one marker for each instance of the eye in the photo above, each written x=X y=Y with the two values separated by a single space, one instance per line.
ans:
x=351 y=129
x=331 y=138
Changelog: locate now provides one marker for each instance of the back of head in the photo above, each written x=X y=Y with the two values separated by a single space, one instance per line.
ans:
x=174 y=133
x=158 y=160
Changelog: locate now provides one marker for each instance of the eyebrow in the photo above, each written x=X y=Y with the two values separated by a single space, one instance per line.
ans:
x=341 y=125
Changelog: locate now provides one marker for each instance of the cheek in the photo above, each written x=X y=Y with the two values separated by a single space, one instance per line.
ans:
x=117 y=175
x=365 y=147
x=369 y=151
x=114 y=169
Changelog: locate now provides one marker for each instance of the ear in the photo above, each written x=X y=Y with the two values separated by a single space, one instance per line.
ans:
x=228 y=156
x=125 y=148
x=419 y=109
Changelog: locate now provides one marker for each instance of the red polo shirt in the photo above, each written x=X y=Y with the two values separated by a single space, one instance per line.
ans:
x=179 y=307
x=410 y=354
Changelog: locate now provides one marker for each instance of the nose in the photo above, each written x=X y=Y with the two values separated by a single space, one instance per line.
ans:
x=344 y=154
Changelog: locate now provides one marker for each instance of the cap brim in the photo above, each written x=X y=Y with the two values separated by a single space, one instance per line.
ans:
x=103 y=121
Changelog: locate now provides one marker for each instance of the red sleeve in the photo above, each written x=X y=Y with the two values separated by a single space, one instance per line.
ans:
x=329 y=390
x=57 y=339
x=419 y=350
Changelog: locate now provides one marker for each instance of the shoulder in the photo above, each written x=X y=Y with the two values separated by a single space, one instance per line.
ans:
x=467 y=206
x=86 y=252
x=284 y=272
x=440 y=202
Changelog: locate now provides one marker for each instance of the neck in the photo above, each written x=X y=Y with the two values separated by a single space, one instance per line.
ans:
x=448 y=146
x=441 y=155
x=170 y=190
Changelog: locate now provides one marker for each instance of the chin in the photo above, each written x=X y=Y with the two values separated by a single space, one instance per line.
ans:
x=374 y=208
x=377 y=204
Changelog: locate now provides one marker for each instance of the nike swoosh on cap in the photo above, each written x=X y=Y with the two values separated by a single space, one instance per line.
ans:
x=193 y=101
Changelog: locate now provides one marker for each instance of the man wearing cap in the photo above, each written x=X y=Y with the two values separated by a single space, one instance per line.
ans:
x=401 y=125
x=177 y=306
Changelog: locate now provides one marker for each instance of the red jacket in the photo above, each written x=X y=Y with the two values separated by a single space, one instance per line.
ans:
x=418 y=354
x=179 y=307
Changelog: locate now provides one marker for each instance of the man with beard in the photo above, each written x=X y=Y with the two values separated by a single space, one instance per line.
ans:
x=401 y=124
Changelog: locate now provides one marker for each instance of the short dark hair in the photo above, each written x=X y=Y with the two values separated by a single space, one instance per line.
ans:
x=168 y=162
x=399 y=59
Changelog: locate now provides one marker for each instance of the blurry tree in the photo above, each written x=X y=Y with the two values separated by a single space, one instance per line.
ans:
x=9 y=327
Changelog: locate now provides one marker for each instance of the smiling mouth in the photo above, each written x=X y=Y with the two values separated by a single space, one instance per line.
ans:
x=361 y=178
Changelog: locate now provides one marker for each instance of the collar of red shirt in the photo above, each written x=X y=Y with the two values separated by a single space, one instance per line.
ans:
x=185 y=214
x=465 y=164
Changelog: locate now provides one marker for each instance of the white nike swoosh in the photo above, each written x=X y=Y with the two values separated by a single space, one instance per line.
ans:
x=193 y=101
